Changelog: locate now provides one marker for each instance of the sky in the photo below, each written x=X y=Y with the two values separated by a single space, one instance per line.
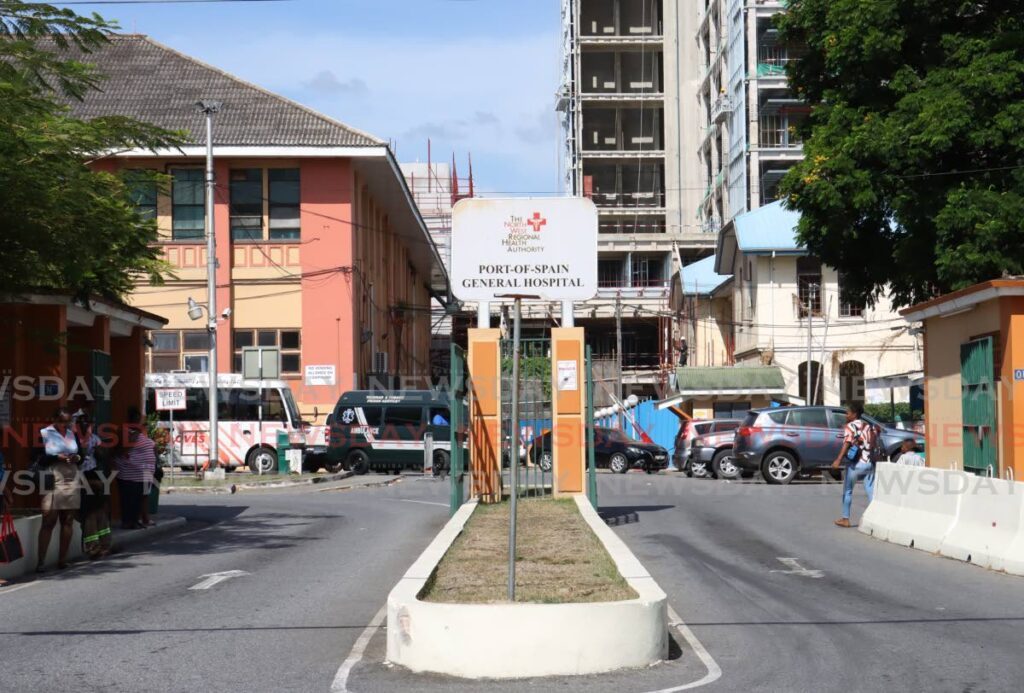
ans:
x=476 y=77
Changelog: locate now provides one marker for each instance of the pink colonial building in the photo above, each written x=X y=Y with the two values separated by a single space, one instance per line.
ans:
x=321 y=249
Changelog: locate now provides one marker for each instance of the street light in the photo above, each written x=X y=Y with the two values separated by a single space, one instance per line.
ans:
x=208 y=108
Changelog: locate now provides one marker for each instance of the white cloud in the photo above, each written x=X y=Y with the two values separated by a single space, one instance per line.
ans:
x=494 y=98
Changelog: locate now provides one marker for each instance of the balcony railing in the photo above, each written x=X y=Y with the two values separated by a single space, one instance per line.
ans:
x=723 y=107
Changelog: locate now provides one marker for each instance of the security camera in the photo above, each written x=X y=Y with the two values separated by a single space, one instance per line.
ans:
x=226 y=313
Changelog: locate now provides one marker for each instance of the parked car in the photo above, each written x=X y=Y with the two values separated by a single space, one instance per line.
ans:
x=782 y=443
x=688 y=431
x=612 y=449
x=711 y=456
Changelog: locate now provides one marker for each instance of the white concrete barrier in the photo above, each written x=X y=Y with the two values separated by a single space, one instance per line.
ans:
x=988 y=522
x=28 y=533
x=503 y=641
x=884 y=510
x=1011 y=556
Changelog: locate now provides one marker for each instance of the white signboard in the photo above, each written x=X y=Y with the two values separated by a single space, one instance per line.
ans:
x=544 y=247
x=321 y=375
x=170 y=399
x=568 y=376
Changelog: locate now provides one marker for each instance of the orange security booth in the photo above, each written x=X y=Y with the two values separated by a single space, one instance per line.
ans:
x=974 y=378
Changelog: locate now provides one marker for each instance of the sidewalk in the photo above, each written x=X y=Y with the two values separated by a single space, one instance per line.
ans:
x=122 y=539
x=239 y=482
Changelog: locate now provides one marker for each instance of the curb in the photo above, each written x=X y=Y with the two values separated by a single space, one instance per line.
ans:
x=125 y=539
x=234 y=488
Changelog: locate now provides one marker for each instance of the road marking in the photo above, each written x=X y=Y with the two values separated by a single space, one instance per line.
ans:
x=406 y=500
x=714 y=671
x=796 y=569
x=15 y=588
x=213 y=579
x=340 y=683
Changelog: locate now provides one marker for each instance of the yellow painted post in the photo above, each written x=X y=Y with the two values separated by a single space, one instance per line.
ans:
x=568 y=405
x=484 y=365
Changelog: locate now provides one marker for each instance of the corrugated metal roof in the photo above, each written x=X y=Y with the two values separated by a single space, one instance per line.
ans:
x=769 y=228
x=730 y=378
x=700 y=277
x=156 y=84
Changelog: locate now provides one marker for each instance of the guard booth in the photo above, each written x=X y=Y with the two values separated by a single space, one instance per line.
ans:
x=974 y=378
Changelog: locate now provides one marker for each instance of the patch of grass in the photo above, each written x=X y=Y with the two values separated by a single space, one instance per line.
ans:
x=558 y=559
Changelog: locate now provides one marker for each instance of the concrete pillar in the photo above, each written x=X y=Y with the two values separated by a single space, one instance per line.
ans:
x=484 y=365
x=127 y=356
x=1011 y=391
x=483 y=315
x=568 y=410
x=568 y=319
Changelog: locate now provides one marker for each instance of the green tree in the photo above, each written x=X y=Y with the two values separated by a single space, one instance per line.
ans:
x=64 y=225
x=913 y=180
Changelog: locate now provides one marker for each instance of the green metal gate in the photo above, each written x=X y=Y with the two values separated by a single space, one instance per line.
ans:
x=101 y=369
x=978 y=405
x=459 y=423
x=535 y=458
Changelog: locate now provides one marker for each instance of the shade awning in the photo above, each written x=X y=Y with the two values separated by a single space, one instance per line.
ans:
x=728 y=382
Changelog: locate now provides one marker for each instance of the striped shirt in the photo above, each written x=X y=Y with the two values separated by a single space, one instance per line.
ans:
x=139 y=462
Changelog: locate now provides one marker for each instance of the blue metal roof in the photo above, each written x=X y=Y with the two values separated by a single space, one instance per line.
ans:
x=767 y=229
x=700 y=277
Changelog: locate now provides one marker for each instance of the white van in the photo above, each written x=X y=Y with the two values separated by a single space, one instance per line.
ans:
x=250 y=415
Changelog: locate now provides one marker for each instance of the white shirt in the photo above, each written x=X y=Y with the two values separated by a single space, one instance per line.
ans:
x=912 y=459
x=57 y=444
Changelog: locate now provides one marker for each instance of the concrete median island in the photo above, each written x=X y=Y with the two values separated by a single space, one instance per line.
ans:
x=584 y=603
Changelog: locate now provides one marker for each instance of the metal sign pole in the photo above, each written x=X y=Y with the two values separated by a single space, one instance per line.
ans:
x=513 y=463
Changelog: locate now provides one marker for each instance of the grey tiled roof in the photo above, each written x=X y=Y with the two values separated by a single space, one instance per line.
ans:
x=151 y=82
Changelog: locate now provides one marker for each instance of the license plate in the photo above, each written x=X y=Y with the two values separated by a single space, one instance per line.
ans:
x=659 y=457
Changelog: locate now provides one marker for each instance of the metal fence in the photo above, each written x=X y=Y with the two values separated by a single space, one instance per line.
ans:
x=535 y=455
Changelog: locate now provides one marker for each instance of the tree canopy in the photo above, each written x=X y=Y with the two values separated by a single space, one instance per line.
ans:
x=64 y=224
x=913 y=181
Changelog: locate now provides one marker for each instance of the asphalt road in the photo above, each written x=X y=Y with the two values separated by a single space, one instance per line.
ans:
x=843 y=613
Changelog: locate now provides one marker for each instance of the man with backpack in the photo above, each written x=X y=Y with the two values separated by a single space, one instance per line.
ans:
x=858 y=454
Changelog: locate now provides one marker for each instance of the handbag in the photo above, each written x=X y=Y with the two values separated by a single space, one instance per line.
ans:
x=10 y=544
x=45 y=478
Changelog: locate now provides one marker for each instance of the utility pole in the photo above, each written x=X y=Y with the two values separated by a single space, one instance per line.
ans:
x=618 y=351
x=808 y=378
x=209 y=108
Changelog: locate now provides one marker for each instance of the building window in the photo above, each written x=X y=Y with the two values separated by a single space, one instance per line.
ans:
x=609 y=273
x=647 y=272
x=808 y=279
x=177 y=350
x=142 y=191
x=287 y=341
x=851 y=382
x=284 y=204
x=187 y=204
x=246 y=190
x=847 y=308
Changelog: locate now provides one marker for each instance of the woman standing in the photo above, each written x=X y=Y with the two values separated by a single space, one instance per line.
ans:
x=61 y=502
x=135 y=470
x=95 y=522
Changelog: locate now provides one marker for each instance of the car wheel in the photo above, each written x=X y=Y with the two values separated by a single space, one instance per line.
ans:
x=699 y=470
x=359 y=462
x=724 y=466
x=546 y=461
x=441 y=463
x=618 y=463
x=261 y=460
x=779 y=467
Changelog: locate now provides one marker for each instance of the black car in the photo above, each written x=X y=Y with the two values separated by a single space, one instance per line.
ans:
x=612 y=449
x=784 y=442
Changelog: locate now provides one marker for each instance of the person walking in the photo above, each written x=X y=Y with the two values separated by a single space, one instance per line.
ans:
x=94 y=518
x=61 y=498
x=857 y=453
x=135 y=467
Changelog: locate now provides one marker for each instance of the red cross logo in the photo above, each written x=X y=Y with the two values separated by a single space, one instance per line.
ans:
x=537 y=222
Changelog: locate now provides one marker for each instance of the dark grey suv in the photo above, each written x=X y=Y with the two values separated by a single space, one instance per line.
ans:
x=784 y=442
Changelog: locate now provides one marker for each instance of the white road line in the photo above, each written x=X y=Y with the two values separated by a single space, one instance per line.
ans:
x=340 y=683
x=15 y=588
x=796 y=569
x=714 y=671
x=406 y=500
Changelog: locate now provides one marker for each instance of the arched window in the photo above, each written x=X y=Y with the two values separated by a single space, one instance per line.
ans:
x=851 y=382
x=819 y=387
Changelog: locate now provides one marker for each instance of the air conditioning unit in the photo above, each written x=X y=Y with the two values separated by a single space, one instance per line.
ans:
x=380 y=362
